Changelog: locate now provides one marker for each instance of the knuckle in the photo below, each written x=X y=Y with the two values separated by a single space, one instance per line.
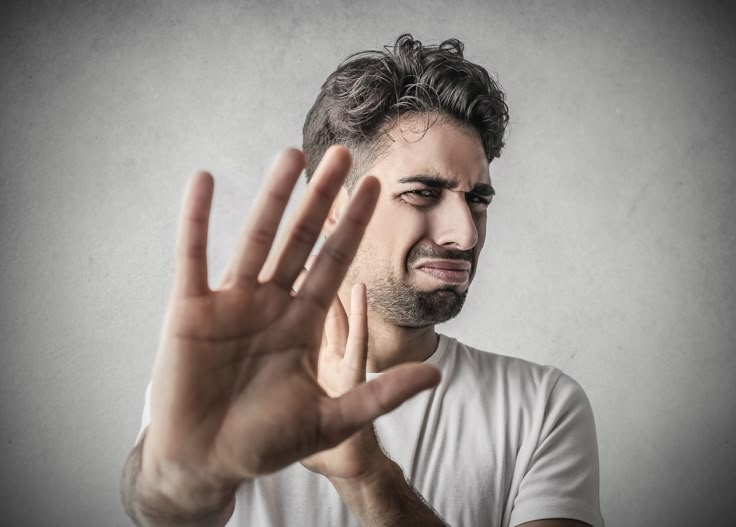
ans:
x=339 y=255
x=323 y=192
x=328 y=433
x=304 y=234
x=279 y=195
x=378 y=398
x=193 y=250
x=262 y=235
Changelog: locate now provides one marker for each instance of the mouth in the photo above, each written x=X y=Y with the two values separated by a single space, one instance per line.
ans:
x=449 y=271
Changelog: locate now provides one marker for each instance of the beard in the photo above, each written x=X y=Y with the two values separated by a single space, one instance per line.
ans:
x=400 y=303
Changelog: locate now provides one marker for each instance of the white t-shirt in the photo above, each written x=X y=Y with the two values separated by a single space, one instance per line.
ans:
x=499 y=442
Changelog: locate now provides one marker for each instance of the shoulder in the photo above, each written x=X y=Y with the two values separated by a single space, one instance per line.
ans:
x=485 y=366
x=536 y=420
x=517 y=382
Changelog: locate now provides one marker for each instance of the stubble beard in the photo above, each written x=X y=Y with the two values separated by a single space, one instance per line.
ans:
x=399 y=303
x=402 y=305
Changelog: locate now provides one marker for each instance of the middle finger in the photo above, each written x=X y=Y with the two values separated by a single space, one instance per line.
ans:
x=304 y=231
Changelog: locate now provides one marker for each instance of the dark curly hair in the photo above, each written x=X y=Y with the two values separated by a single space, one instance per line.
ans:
x=370 y=90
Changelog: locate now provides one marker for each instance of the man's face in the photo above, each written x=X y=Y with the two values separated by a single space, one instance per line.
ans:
x=420 y=250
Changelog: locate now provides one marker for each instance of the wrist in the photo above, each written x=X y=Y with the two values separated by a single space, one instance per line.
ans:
x=372 y=492
x=168 y=493
x=383 y=496
x=173 y=490
x=378 y=470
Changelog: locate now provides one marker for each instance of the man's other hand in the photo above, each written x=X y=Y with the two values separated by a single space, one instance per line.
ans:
x=341 y=367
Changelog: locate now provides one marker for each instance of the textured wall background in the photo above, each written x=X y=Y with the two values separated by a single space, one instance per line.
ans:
x=611 y=244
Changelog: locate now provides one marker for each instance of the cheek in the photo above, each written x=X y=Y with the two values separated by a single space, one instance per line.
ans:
x=393 y=233
x=378 y=239
x=481 y=230
x=480 y=226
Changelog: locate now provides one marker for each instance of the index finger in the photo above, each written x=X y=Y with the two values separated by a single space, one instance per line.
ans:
x=333 y=261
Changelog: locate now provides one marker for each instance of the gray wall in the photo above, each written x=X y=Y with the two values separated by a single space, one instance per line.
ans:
x=610 y=251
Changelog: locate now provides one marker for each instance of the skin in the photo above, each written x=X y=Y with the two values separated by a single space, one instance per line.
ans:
x=451 y=220
x=267 y=370
x=235 y=373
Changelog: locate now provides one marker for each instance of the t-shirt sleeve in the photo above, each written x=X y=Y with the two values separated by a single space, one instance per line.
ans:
x=562 y=476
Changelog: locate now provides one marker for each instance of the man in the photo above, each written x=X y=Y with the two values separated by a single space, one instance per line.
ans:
x=259 y=410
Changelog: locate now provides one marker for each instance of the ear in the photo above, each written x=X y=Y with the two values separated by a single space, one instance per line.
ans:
x=336 y=211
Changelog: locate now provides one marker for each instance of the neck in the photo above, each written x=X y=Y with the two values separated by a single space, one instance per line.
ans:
x=390 y=345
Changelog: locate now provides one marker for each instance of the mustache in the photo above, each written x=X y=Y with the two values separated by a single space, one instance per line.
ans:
x=438 y=252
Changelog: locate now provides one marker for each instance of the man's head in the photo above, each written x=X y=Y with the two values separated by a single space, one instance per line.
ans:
x=427 y=123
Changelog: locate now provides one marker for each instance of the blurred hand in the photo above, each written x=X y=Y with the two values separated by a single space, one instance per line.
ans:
x=234 y=389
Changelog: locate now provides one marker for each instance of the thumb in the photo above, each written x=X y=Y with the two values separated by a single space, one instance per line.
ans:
x=345 y=415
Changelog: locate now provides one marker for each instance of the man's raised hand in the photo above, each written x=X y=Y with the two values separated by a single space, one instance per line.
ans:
x=234 y=388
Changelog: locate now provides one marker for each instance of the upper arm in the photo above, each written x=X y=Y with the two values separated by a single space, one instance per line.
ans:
x=561 y=473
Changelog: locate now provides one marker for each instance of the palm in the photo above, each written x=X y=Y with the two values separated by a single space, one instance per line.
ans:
x=234 y=389
x=225 y=378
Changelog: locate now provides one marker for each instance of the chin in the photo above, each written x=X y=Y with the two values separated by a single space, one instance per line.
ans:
x=427 y=308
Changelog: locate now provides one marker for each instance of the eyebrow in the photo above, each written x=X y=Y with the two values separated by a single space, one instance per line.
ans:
x=482 y=189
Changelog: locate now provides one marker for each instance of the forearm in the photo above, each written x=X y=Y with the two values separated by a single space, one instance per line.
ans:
x=149 y=505
x=387 y=499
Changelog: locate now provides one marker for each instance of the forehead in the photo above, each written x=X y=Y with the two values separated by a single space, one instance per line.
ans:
x=444 y=150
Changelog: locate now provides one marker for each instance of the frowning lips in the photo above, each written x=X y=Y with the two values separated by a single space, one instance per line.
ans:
x=448 y=270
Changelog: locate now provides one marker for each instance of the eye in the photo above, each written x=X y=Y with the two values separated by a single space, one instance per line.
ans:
x=478 y=202
x=421 y=196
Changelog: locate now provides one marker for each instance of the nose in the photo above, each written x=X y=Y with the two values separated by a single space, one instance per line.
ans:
x=454 y=224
